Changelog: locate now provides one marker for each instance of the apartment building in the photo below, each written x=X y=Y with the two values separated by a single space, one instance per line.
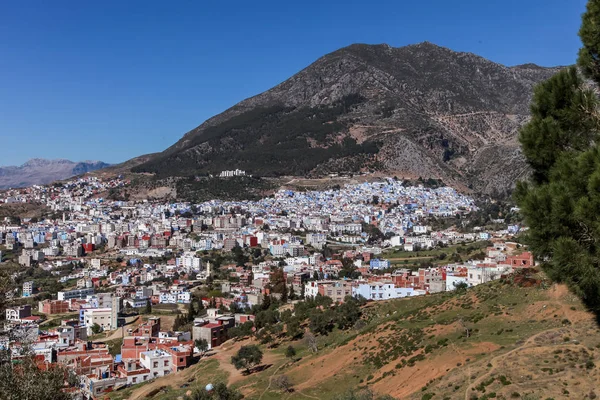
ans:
x=27 y=289
x=49 y=307
x=75 y=294
x=158 y=362
x=101 y=316
x=17 y=314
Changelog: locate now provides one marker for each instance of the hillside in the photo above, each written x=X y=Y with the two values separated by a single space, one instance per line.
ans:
x=40 y=171
x=524 y=342
x=419 y=110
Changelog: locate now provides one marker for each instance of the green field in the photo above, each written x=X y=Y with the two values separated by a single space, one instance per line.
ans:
x=440 y=255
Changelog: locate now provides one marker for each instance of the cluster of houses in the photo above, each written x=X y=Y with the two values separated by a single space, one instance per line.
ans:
x=147 y=351
x=85 y=221
x=501 y=258
x=111 y=256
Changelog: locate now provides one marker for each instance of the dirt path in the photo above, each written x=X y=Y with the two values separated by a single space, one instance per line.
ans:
x=306 y=395
x=458 y=351
x=529 y=343
x=223 y=356
x=410 y=258
x=174 y=380
x=270 y=381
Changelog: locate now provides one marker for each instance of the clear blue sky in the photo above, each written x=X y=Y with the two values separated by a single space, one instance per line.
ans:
x=110 y=80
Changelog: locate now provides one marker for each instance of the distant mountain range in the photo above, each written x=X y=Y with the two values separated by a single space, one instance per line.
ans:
x=39 y=171
x=420 y=111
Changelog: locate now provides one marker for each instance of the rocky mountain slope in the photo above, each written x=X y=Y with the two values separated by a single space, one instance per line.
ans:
x=41 y=171
x=419 y=110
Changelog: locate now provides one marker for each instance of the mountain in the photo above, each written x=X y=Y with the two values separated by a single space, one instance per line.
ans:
x=420 y=110
x=39 y=171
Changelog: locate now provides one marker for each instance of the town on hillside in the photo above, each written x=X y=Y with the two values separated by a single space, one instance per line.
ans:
x=124 y=292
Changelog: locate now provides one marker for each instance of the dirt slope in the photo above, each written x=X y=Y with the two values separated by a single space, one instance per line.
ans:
x=523 y=342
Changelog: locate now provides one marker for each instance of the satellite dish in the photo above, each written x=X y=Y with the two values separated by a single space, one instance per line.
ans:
x=209 y=387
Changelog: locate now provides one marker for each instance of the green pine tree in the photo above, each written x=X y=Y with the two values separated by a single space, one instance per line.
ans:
x=266 y=304
x=561 y=203
x=191 y=313
x=589 y=54
x=561 y=122
x=284 y=293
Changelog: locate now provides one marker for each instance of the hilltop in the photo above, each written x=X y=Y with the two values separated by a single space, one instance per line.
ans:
x=414 y=111
x=516 y=338
x=40 y=171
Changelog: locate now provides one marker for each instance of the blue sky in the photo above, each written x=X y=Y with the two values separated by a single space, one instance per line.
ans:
x=111 y=80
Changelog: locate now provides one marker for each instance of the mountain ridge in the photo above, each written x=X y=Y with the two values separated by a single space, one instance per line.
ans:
x=39 y=171
x=429 y=111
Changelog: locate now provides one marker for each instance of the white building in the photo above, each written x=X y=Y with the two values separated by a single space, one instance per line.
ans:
x=17 y=314
x=237 y=172
x=453 y=281
x=28 y=289
x=381 y=291
x=190 y=262
x=396 y=241
x=184 y=297
x=100 y=300
x=137 y=302
x=311 y=289
x=476 y=275
x=101 y=316
x=51 y=251
x=157 y=361
x=420 y=229
x=75 y=294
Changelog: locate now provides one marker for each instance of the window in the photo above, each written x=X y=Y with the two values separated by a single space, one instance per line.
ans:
x=166 y=363
x=155 y=365
x=134 y=380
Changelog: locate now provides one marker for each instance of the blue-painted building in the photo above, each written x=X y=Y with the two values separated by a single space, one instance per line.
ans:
x=376 y=263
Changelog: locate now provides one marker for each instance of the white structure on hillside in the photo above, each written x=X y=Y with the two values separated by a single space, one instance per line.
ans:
x=227 y=174
x=100 y=316
x=381 y=291
x=157 y=361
